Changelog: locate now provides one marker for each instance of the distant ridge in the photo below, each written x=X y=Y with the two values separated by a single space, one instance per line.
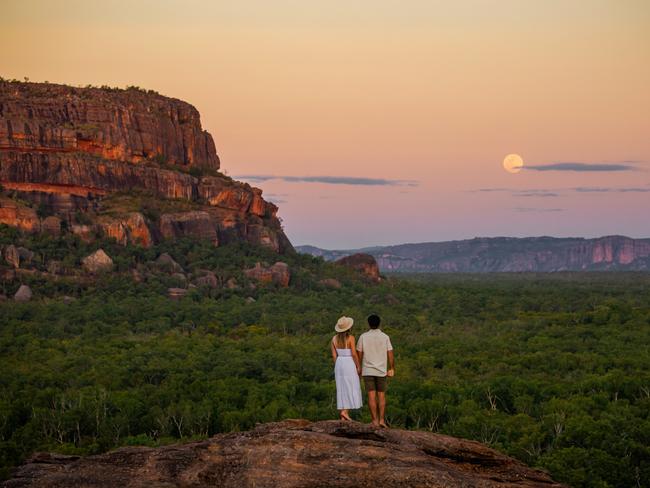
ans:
x=506 y=254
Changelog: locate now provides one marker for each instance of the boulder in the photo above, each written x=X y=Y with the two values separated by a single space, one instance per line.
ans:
x=277 y=274
x=131 y=228
x=176 y=293
x=11 y=255
x=167 y=263
x=331 y=283
x=292 y=454
x=362 y=263
x=68 y=300
x=209 y=279
x=24 y=294
x=97 y=262
x=250 y=300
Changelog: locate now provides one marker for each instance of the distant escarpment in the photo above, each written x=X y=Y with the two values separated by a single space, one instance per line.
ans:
x=294 y=453
x=507 y=254
x=128 y=164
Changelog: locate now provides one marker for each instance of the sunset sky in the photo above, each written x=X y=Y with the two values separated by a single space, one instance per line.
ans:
x=384 y=121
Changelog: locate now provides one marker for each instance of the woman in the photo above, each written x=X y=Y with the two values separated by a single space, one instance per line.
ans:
x=346 y=368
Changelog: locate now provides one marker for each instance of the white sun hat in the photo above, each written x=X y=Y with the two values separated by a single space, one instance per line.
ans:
x=343 y=324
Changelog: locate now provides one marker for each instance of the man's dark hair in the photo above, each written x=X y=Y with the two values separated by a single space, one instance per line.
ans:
x=374 y=321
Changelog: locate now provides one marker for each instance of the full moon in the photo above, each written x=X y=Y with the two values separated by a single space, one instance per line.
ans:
x=513 y=163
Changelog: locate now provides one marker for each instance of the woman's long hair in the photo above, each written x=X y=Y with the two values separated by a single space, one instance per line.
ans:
x=342 y=339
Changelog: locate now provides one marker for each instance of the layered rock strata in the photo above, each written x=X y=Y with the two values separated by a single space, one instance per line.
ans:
x=66 y=149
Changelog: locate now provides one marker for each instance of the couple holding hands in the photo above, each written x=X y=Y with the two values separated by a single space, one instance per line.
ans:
x=371 y=358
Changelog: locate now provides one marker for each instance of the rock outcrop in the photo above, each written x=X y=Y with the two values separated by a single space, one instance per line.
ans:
x=66 y=150
x=131 y=228
x=125 y=125
x=24 y=294
x=508 y=254
x=291 y=454
x=167 y=263
x=16 y=214
x=362 y=263
x=97 y=262
x=278 y=274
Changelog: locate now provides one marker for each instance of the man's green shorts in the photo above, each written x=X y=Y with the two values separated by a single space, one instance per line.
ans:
x=375 y=383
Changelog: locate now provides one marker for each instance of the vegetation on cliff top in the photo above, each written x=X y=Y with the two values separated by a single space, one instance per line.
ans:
x=552 y=369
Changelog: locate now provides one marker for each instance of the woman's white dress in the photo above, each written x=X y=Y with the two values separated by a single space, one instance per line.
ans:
x=348 y=388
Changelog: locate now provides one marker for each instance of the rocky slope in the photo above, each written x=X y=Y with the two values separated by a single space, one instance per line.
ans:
x=291 y=454
x=507 y=254
x=66 y=150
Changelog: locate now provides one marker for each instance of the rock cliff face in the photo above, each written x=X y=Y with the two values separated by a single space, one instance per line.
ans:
x=508 y=254
x=363 y=263
x=65 y=150
x=292 y=454
x=121 y=125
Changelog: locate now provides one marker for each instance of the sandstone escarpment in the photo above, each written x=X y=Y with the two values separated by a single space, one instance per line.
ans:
x=65 y=150
x=123 y=125
x=509 y=254
x=292 y=454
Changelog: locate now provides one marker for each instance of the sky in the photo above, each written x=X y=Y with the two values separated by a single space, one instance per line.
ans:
x=384 y=122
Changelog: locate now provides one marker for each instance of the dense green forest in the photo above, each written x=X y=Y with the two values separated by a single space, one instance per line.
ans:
x=551 y=369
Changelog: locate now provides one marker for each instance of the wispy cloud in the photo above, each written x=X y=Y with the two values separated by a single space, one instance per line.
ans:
x=533 y=193
x=582 y=167
x=596 y=189
x=558 y=192
x=330 y=180
x=534 y=209
x=489 y=190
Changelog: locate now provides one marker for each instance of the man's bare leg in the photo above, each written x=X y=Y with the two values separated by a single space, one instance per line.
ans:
x=381 y=396
x=372 y=403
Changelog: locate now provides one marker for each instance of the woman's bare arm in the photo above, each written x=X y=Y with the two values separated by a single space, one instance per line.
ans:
x=355 y=355
x=333 y=349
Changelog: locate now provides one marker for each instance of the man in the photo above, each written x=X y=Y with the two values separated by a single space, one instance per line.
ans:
x=376 y=354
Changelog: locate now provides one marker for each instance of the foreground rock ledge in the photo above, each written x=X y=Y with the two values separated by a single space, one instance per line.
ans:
x=293 y=453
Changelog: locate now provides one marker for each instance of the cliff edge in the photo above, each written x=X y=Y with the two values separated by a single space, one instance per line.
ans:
x=293 y=453
x=93 y=160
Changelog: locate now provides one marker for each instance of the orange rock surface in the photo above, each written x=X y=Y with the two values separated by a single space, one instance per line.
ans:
x=64 y=149
x=292 y=454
